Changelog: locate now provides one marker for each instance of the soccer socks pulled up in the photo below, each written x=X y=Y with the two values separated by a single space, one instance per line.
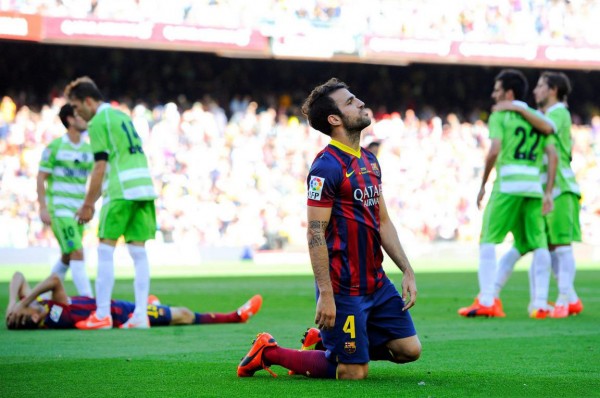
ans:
x=80 y=278
x=210 y=317
x=566 y=273
x=554 y=263
x=105 y=279
x=487 y=273
x=540 y=274
x=506 y=265
x=60 y=269
x=141 y=282
x=311 y=363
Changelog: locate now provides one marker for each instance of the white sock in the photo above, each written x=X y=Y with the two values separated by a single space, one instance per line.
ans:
x=566 y=261
x=487 y=273
x=505 y=269
x=141 y=283
x=554 y=263
x=60 y=269
x=105 y=279
x=80 y=278
x=541 y=278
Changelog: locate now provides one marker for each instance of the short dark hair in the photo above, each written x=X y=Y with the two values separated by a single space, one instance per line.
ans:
x=319 y=105
x=560 y=82
x=28 y=324
x=81 y=88
x=65 y=111
x=514 y=80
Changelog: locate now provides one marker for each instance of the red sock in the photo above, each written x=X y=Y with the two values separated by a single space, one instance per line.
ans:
x=210 y=317
x=312 y=363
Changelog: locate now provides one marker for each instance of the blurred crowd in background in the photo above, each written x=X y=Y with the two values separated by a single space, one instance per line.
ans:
x=571 y=22
x=233 y=174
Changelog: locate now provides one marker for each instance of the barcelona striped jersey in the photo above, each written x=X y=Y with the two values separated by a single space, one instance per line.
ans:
x=64 y=316
x=349 y=182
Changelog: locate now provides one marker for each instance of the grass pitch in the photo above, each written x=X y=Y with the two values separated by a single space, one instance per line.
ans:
x=511 y=357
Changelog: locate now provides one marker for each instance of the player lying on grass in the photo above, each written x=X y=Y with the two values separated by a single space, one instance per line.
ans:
x=27 y=311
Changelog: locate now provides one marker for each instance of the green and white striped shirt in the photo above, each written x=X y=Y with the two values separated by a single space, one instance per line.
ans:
x=519 y=163
x=127 y=175
x=565 y=177
x=68 y=166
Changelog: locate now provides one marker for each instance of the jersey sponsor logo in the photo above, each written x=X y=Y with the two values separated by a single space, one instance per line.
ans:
x=369 y=195
x=55 y=313
x=349 y=174
x=315 y=187
x=67 y=172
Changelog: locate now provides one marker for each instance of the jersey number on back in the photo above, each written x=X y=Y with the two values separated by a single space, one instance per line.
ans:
x=521 y=152
x=135 y=143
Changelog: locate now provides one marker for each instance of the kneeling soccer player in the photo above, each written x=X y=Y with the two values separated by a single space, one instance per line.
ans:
x=361 y=315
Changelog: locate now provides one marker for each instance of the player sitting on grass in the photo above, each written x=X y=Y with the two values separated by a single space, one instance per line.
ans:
x=25 y=311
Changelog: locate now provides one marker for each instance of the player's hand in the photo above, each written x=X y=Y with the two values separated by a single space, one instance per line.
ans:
x=325 y=317
x=45 y=216
x=9 y=309
x=84 y=214
x=480 y=196
x=17 y=314
x=548 y=204
x=409 y=289
x=504 y=106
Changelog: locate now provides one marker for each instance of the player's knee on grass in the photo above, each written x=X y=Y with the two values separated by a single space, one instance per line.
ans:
x=181 y=316
x=405 y=350
x=347 y=371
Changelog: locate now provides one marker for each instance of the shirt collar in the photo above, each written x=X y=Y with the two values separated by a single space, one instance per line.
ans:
x=345 y=148
x=103 y=106
x=556 y=106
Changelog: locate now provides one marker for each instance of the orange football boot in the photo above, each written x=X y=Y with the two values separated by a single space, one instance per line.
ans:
x=253 y=361
x=476 y=309
x=311 y=340
x=576 y=307
x=250 y=308
x=93 y=323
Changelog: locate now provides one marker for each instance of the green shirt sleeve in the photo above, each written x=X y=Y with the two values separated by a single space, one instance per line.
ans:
x=495 y=126
x=49 y=157
x=98 y=135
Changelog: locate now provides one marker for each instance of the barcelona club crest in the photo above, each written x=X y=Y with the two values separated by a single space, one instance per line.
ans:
x=350 y=347
x=375 y=169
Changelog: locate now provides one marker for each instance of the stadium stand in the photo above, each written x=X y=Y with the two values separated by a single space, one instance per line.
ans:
x=238 y=180
x=228 y=147
x=515 y=21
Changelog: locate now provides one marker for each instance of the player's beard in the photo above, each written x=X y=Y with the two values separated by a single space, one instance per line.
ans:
x=355 y=126
x=541 y=104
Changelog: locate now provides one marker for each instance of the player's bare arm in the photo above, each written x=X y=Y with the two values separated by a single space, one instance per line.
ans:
x=86 y=212
x=490 y=161
x=392 y=246
x=318 y=218
x=19 y=312
x=552 y=156
x=539 y=122
x=18 y=288
x=41 y=196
